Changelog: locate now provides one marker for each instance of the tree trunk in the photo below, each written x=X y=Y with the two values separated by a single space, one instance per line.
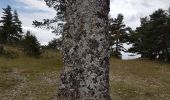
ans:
x=1 y=48
x=85 y=75
x=117 y=47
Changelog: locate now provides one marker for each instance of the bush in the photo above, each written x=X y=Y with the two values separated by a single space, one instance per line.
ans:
x=10 y=54
x=30 y=45
x=55 y=44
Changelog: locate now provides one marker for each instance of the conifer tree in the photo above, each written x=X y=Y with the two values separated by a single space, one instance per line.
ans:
x=17 y=27
x=6 y=25
x=118 y=34
x=153 y=36
x=168 y=32
x=85 y=75
x=11 y=29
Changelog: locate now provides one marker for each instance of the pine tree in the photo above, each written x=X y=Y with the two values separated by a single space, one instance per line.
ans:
x=152 y=37
x=139 y=38
x=17 y=27
x=1 y=36
x=6 y=25
x=56 y=23
x=85 y=75
x=11 y=26
x=168 y=32
x=118 y=34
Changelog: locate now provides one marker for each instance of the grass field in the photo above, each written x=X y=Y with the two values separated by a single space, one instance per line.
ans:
x=27 y=78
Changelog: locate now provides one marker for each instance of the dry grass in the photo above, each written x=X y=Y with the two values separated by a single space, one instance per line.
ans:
x=139 y=80
x=27 y=78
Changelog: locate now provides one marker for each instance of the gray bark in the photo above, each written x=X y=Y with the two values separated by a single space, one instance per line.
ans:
x=85 y=75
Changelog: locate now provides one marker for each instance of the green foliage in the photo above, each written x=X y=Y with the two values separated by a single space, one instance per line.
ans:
x=31 y=45
x=17 y=27
x=56 y=23
x=152 y=38
x=118 y=34
x=11 y=31
x=6 y=22
x=55 y=44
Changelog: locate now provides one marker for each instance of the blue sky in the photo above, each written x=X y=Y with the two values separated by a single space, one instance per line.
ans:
x=30 y=10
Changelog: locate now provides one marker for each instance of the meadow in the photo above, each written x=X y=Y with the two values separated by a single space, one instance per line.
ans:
x=28 y=78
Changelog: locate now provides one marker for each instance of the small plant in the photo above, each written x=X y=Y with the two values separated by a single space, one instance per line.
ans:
x=8 y=52
x=11 y=54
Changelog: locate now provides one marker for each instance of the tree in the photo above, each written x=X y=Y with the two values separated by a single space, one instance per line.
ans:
x=159 y=22
x=6 y=25
x=55 y=44
x=139 y=38
x=118 y=34
x=1 y=49
x=17 y=27
x=56 y=23
x=1 y=36
x=31 y=45
x=85 y=75
x=167 y=28
x=11 y=26
x=152 y=37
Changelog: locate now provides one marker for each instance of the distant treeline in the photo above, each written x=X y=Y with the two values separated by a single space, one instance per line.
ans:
x=151 y=39
x=11 y=33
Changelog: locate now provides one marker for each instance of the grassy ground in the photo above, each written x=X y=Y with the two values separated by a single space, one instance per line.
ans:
x=139 y=80
x=27 y=78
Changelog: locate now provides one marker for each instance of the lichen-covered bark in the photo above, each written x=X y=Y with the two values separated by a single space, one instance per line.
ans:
x=85 y=75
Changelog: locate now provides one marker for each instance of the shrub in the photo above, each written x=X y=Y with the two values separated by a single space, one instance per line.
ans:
x=31 y=45
x=55 y=44
x=10 y=54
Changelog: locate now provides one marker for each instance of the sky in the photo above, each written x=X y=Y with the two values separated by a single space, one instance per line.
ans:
x=30 y=10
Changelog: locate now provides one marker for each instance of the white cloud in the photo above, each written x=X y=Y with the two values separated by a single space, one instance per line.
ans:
x=42 y=12
x=28 y=18
x=133 y=10
x=44 y=36
x=36 y=4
